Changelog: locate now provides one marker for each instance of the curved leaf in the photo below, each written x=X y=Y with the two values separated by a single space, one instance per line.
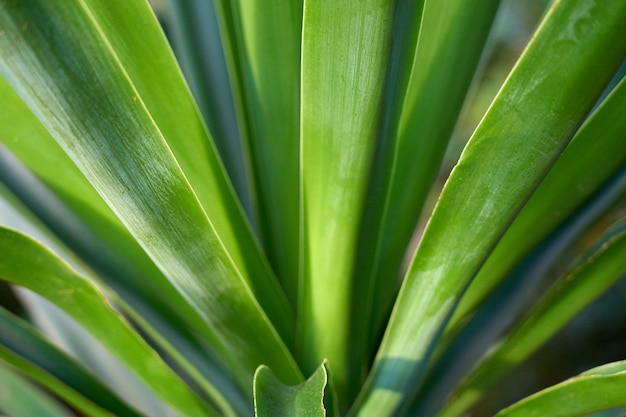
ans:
x=114 y=140
x=595 y=151
x=33 y=355
x=273 y=399
x=594 y=155
x=597 y=389
x=597 y=271
x=28 y=264
x=176 y=337
x=542 y=103
x=172 y=109
x=70 y=208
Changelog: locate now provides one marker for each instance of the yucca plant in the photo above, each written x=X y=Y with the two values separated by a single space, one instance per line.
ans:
x=244 y=251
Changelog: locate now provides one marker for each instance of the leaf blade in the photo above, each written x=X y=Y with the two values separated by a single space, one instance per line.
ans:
x=597 y=389
x=483 y=194
x=596 y=272
x=32 y=266
x=344 y=57
x=593 y=156
x=268 y=76
x=442 y=50
x=140 y=179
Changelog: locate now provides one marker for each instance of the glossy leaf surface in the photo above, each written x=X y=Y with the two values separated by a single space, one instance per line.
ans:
x=594 y=156
x=70 y=208
x=437 y=46
x=266 y=38
x=536 y=113
x=345 y=50
x=115 y=142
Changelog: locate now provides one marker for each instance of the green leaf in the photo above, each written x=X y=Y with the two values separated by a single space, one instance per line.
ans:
x=174 y=111
x=176 y=337
x=590 y=160
x=114 y=126
x=266 y=37
x=28 y=264
x=345 y=48
x=211 y=376
x=597 y=389
x=79 y=216
x=596 y=272
x=543 y=102
x=593 y=155
x=20 y=398
x=274 y=399
x=23 y=347
x=192 y=28
x=427 y=80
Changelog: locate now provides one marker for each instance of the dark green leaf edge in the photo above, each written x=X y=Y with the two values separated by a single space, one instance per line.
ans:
x=22 y=346
x=33 y=266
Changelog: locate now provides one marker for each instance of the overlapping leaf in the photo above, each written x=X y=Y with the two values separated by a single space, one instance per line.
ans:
x=596 y=272
x=196 y=41
x=434 y=57
x=116 y=137
x=77 y=215
x=28 y=264
x=28 y=351
x=590 y=160
x=543 y=102
x=264 y=40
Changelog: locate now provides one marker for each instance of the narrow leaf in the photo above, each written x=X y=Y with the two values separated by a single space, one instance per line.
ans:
x=172 y=108
x=434 y=57
x=594 y=155
x=543 y=102
x=345 y=49
x=467 y=337
x=28 y=264
x=597 y=271
x=597 y=389
x=180 y=339
x=70 y=208
x=113 y=138
x=192 y=28
x=23 y=347
x=267 y=36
